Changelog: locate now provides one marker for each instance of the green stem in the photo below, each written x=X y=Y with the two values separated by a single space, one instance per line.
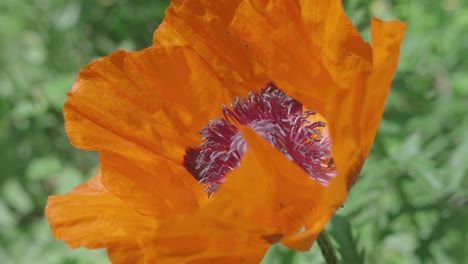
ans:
x=328 y=251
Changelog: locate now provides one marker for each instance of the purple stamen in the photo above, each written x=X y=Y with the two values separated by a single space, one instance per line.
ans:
x=277 y=118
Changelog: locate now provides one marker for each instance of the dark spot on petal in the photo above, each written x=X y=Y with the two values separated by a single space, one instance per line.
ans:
x=273 y=239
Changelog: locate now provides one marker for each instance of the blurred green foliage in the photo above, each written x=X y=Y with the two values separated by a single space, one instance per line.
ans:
x=409 y=206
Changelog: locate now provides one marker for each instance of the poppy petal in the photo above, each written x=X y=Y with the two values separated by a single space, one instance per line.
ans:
x=322 y=69
x=92 y=217
x=386 y=41
x=149 y=185
x=279 y=193
x=204 y=25
x=327 y=69
x=257 y=205
x=195 y=242
x=141 y=98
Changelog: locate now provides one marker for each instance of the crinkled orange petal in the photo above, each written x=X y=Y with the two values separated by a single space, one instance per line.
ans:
x=204 y=25
x=267 y=198
x=157 y=98
x=269 y=190
x=147 y=106
x=151 y=186
x=386 y=42
x=343 y=52
x=90 y=216
x=195 y=242
x=317 y=56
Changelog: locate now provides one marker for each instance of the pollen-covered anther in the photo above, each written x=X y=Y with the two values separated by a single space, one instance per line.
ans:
x=301 y=135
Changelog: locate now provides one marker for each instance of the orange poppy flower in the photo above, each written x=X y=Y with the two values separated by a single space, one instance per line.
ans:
x=277 y=173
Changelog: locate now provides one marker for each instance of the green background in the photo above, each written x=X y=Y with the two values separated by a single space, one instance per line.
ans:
x=409 y=206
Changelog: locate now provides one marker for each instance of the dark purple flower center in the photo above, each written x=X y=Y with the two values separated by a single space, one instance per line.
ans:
x=277 y=118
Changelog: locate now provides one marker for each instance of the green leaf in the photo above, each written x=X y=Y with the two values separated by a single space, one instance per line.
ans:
x=17 y=197
x=347 y=244
x=460 y=81
x=42 y=168
x=56 y=90
x=68 y=179
x=458 y=167
x=7 y=218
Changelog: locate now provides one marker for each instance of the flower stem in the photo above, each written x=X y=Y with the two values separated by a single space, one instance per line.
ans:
x=327 y=249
